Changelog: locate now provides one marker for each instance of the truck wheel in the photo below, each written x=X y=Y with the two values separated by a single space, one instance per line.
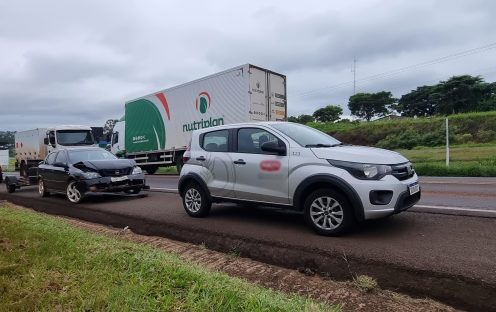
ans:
x=23 y=170
x=74 y=195
x=328 y=212
x=151 y=169
x=42 y=189
x=179 y=163
x=195 y=201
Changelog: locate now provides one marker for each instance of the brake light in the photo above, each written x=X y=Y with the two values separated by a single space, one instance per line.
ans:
x=187 y=154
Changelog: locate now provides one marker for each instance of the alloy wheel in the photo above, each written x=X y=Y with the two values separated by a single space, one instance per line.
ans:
x=326 y=213
x=192 y=199
x=73 y=194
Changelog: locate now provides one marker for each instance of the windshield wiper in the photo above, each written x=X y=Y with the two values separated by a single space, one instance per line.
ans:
x=318 y=145
x=323 y=145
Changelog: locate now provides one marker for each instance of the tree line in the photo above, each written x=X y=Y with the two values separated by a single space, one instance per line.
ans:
x=459 y=94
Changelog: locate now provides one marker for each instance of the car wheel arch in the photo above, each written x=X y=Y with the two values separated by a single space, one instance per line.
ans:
x=327 y=180
x=192 y=177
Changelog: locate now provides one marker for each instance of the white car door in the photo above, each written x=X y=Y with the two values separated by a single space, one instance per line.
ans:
x=218 y=163
x=260 y=176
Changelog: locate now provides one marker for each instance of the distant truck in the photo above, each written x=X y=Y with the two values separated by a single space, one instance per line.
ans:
x=32 y=146
x=156 y=128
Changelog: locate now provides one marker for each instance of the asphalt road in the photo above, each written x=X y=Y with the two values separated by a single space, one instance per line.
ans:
x=445 y=195
x=429 y=254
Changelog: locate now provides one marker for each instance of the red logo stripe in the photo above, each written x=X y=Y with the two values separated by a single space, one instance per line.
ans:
x=162 y=99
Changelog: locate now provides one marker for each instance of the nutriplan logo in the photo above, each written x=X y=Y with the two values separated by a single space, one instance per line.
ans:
x=202 y=104
x=203 y=101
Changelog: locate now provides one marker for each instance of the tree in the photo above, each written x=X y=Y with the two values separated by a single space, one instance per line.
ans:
x=420 y=102
x=330 y=113
x=369 y=105
x=109 y=127
x=303 y=119
x=462 y=94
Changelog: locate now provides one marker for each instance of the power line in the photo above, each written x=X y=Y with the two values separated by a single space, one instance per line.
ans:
x=397 y=71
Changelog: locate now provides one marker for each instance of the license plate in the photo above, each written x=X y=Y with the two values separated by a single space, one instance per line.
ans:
x=414 y=188
x=118 y=179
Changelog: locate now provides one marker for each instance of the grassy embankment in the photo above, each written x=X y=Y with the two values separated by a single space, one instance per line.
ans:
x=465 y=160
x=47 y=265
x=472 y=137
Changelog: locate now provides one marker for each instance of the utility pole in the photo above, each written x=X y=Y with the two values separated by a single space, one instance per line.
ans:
x=354 y=75
x=447 y=144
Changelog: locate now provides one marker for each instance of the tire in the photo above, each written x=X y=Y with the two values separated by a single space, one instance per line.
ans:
x=195 y=201
x=10 y=188
x=23 y=170
x=328 y=212
x=74 y=195
x=42 y=190
x=151 y=169
x=133 y=191
x=179 y=163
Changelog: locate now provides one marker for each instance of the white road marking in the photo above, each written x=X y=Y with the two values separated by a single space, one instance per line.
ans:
x=454 y=208
x=160 y=189
x=457 y=182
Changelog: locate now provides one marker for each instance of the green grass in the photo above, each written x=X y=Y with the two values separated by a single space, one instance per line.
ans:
x=167 y=170
x=464 y=128
x=47 y=265
x=474 y=160
x=461 y=153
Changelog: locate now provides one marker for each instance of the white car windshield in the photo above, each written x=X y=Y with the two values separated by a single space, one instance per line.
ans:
x=306 y=136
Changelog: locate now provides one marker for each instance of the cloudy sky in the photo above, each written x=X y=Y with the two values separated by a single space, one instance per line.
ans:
x=77 y=62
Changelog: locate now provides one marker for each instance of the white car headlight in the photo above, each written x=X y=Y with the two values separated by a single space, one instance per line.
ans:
x=91 y=175
x=363 y=171
x=137 y=170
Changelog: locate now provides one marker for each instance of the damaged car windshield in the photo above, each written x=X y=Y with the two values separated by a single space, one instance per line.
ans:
x=76 y=156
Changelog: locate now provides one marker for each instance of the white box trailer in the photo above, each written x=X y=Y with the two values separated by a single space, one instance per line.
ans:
x=156 y=128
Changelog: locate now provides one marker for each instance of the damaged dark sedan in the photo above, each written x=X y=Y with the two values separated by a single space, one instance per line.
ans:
x=78 y=172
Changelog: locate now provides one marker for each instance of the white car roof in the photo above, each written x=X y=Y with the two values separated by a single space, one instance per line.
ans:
x=238 y=125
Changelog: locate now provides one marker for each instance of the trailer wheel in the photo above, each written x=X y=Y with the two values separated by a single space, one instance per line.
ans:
x=10 y=188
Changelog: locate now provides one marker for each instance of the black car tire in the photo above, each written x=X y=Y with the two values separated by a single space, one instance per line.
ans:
x=195 y=201
x=42 y=190
x=328 y=212
x=73 y=193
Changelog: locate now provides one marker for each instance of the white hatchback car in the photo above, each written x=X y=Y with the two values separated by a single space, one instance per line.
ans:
x=293 y=166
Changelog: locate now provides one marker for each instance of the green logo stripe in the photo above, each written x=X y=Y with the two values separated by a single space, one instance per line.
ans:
x=145 y=129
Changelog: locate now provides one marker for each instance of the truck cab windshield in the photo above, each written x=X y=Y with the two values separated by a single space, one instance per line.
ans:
x=74 y=137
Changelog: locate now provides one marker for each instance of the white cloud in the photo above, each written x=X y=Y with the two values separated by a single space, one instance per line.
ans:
x=79 y=61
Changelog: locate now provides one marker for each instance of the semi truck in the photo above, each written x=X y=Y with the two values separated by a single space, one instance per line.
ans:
x=32 y=146
x=156 y=128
